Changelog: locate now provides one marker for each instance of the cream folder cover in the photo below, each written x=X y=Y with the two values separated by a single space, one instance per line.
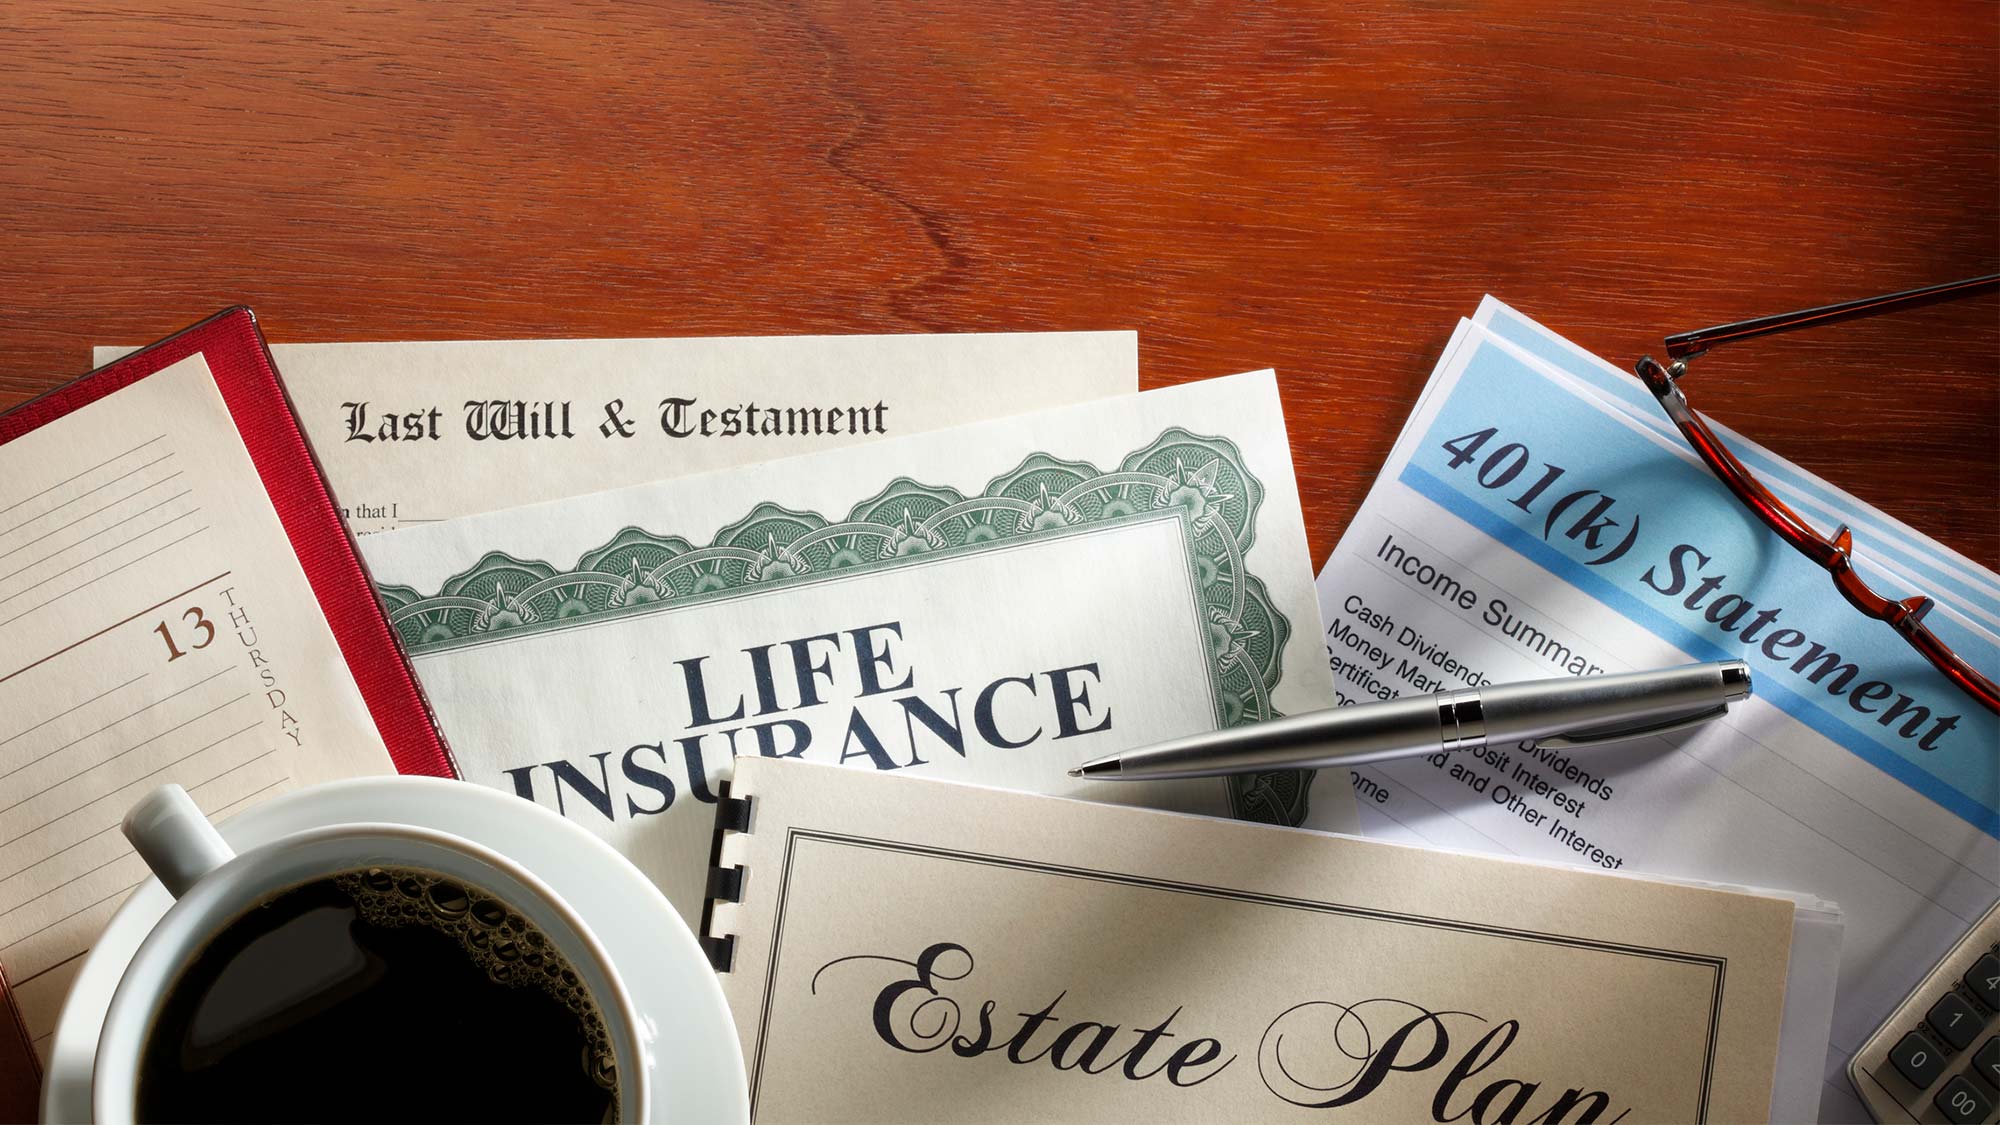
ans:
x=911 y=950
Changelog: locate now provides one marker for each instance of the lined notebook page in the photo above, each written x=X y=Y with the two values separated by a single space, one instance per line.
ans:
x=154 y=627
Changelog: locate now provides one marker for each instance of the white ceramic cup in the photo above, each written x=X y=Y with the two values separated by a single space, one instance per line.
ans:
x=213 y=886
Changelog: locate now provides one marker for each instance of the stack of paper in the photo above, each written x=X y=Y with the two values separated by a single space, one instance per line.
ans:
x=617 y=567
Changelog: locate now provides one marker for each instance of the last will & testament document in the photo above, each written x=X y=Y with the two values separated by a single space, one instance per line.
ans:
x=412 y=432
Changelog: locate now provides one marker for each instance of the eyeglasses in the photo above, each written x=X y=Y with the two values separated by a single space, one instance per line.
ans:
x=1833 y=553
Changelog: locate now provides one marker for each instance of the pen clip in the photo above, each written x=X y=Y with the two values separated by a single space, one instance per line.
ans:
x=1599 y=736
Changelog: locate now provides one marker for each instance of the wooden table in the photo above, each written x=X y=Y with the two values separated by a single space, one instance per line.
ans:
x=1321 y=188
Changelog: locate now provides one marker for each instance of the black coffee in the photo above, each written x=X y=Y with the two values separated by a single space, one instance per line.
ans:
x=385 y=994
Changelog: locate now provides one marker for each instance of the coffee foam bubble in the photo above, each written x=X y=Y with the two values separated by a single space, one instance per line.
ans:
x=497 y=939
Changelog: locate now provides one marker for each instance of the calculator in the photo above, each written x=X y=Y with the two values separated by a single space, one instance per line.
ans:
x=1937 y=1059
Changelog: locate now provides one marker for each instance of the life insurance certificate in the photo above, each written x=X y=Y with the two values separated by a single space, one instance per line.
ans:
x=992 y=603
x=1526 y=527
x=409 y=433
x=155 y=627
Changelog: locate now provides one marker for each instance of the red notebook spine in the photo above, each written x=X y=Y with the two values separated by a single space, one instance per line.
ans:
x=20 y=1070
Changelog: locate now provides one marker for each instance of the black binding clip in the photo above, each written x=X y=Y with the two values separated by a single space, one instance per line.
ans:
x=725 y=884
x=721 y=951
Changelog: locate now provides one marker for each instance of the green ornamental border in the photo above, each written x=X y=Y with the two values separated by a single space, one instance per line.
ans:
x=1202 y=479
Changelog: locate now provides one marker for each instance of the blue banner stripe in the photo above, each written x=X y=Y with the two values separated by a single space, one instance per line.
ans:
x=1769 y=687
x=1932 y=578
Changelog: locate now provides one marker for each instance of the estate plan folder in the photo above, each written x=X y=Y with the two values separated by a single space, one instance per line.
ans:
x=995 y=602
x=902 y=950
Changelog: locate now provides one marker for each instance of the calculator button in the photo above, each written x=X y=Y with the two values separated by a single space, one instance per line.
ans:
x=1954 y=1018
x=1987 y=1062
x=1984 y=981
x=1918 y=1059
x=1963 y=1101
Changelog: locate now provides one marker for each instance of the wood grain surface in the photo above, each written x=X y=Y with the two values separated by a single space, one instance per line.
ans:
x=1321 y=188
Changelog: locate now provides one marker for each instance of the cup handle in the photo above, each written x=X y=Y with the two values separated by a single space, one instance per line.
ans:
x=175 y=839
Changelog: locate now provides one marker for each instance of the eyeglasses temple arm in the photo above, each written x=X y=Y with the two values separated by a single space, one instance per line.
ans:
x=1688 y=344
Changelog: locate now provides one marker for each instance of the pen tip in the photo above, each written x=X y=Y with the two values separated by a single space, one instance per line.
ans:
x=1736 y=679
x=1076 y=771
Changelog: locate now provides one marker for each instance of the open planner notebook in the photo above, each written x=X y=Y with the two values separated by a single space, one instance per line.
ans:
x=900 y=949
x=178 y=603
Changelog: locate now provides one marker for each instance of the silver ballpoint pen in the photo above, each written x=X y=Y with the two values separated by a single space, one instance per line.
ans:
x=1566 y=713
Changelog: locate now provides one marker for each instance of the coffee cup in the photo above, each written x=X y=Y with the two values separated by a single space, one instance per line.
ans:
x=418 y=896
